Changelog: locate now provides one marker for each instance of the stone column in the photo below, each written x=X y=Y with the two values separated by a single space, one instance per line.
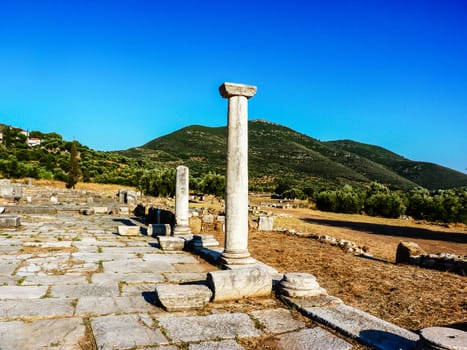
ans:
x=182 y=226
x=236 y=203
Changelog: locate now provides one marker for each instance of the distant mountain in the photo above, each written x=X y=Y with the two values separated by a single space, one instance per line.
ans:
x=276 y=151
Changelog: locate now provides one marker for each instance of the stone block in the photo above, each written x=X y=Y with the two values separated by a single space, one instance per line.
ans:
x=208 y=219
x=407 y=249
x=200 y=328
x=174 y=297
x=266 y=223
x=10 y=221
x=86 y=211
x=312 y=338
x=240 y=283
x=170 y=243
x=128 y=230
x=159 y=230
x=101 y=210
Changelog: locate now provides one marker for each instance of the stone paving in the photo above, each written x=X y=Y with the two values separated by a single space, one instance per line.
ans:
x=69 y=281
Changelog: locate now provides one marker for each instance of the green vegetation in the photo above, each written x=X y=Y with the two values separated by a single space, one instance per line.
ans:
x=341 y=176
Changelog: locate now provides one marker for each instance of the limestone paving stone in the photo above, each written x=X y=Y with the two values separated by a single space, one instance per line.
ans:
x=66 y=334
x=216 y=345
x=199 y=328
x=124 y=331
x=143 y=277
x=86 y=290
x=277 y=320
x=312 y=338
x=181 y=277
x=366 y=328
x=7 y=268
x=146 y=289
x=48 y=307
x=53 y=279
x=109 y=305
x=137 y=266
x=22 y=292
x=130 y=250
x=172 y=258
x=96 y=257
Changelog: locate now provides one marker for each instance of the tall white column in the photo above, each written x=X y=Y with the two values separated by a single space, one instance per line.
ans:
x=182 y=226
x=236 y=202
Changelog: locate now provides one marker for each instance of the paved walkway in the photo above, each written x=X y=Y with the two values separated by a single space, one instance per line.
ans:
x=68 y=281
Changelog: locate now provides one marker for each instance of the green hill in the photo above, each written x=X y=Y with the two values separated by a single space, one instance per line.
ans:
x=276 y=152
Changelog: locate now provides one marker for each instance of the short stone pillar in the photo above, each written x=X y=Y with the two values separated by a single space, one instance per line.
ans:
x=182 y=226
x=236 y=204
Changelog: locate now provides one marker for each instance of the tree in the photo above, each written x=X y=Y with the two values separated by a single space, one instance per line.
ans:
x=73 y=174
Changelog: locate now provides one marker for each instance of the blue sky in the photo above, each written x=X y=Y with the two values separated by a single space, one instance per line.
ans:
x=116 y=74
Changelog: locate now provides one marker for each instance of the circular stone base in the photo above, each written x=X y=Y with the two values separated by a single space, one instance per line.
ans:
x=443 y=338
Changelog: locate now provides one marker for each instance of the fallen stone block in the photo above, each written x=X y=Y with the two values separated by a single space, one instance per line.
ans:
x=171 y=243
x=128 y=230
x=240 y=283
x=159 y=230
x=407 y=249
x=174 y=297
x=266 y=223
x=10 y=221
x=101 y=210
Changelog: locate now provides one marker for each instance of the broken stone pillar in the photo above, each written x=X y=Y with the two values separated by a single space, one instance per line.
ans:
x=182 y=226
x=236 y=205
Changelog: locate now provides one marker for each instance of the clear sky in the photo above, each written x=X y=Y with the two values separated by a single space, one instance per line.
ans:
x=116 y=74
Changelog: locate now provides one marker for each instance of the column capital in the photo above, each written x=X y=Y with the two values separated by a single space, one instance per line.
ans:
x=231 y=89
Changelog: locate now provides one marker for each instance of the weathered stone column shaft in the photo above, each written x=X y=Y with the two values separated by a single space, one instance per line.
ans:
x=236 y=201
x=236 y=238
x=181 y=201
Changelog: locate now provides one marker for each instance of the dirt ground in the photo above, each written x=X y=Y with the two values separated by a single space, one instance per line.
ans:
x=408 y=296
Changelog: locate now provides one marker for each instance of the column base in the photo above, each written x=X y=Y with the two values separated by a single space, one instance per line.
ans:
x=181 y=230
x=236 y=258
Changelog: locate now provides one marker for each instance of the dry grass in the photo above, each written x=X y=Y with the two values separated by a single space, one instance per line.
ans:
x=408 y=296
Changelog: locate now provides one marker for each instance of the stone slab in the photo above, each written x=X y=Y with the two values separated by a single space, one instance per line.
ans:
x=172 y=258
x=22 y=292
x=239 y=283
x=35 y=280
x=174 y=297
x=199 y=328
x=171 y=243
x=10 y=221
x=142 y=277
x=312 y=338
x=124 y=230
x=277 y=320
x=360 y=325
x=85 y=290
x=181 y=277
x=109 y=305
x=7 y=268
x=124 y=331
x=65 y=333
x=48 y=307
x=216 y=345
x=137 y=266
